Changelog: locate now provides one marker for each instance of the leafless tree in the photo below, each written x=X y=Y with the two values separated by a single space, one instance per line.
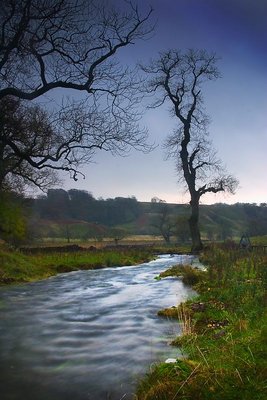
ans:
x=179 y=78
x=69 y=48
x=117 y=234
x=164 y=221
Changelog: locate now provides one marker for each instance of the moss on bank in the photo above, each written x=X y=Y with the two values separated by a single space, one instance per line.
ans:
x=188 y=274
x=224 y=335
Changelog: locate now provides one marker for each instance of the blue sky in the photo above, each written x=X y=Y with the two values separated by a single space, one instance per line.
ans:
x=237 y=103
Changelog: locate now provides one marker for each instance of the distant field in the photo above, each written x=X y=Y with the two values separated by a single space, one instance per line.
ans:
x=259 y=240
x=128 y=240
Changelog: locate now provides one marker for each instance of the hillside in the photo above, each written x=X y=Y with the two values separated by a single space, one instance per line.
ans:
x=77 y=214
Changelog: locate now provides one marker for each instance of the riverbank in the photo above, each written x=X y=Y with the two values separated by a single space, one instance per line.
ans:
x=18 y=267
x=224 y=333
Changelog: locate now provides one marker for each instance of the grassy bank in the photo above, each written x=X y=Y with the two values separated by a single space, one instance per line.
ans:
x=17 y=267
x=224 y=339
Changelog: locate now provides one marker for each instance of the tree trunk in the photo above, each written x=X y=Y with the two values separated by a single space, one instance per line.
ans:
x=194 y=226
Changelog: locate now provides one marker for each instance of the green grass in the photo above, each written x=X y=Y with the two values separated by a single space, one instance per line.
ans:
x=16 y=267
x=188 y=274
x=259 y=240
x=225 y=346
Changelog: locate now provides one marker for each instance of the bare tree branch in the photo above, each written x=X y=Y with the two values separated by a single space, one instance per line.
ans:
x=69 y=46
x=179 y=79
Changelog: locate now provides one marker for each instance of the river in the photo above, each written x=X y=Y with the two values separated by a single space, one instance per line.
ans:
x=87 y=335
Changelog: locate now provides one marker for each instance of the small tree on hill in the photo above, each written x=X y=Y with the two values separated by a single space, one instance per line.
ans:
x=164 y=221
x=117 y=234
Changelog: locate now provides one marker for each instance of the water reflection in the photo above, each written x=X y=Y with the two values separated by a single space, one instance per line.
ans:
x=87 y=334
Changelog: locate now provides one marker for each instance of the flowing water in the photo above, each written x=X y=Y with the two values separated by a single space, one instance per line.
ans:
x=86 y=335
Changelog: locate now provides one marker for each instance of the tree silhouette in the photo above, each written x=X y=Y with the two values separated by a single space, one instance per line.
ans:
x=58 y=48
x=179 y=78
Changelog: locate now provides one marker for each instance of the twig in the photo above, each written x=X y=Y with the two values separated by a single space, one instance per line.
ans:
x=187 y=379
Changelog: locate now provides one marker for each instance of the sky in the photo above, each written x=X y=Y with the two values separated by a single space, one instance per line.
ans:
x=236 y=103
